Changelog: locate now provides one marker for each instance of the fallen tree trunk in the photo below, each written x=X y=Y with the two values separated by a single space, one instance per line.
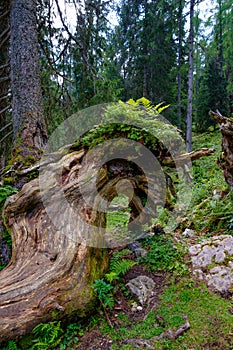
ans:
x=58 y=229
x=58 y=226
x=225 y=161
x=50 y=274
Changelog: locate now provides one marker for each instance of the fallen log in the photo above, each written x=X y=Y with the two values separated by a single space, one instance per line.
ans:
x=51 y=271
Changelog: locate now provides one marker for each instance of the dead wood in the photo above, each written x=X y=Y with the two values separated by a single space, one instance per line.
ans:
x=225 y=161
x=168 y=334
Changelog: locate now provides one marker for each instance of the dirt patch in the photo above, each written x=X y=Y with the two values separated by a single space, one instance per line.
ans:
x=95 y=339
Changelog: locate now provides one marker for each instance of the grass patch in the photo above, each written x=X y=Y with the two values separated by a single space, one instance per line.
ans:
x=208 y=314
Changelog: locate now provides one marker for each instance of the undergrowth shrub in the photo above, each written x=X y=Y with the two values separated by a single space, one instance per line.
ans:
x=118 y=267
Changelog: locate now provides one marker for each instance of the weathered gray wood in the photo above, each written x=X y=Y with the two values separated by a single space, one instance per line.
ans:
x=225 y=161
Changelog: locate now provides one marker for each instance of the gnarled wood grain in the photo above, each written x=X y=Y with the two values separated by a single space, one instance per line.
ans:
x=225 y=161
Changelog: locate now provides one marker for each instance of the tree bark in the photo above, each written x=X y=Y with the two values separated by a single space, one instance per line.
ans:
x=190 y=81
x=225 y=161
x=5 y=102
x=52 y=268
x=28 y=112
x=180 y=45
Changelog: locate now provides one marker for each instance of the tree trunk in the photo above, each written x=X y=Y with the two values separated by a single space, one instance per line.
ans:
x=190 y=82
x=52 y=267
x=28 y=113
x=5 y=104
x=180 y=45
x=225 y=161
x=58 y=239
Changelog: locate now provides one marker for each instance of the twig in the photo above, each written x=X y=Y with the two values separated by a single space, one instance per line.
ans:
x=52 y=64
x=4 y=98
x=7 y=135
x=6 y=126
x=6 y=65
x=5 y=109
x=76 y=42
x=4 y=32
x=7 y=12
x=4 y=40
x=6 y=78
x=106 y=315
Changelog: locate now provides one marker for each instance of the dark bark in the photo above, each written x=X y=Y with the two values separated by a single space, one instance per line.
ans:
x=190 y=81
x=180 y=46
x=28 y=112
x=5 y=102
x=225 y=161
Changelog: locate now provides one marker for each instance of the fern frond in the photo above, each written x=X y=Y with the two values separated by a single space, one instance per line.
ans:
x=47 y=333
x=144 y=102
x=111 y=276
x=118 y=254
x=121 y=267
x=11 y=345
x=159 y=108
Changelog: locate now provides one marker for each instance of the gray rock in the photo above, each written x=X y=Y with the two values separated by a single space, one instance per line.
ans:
x=220 y=257
x=188 y=233
x=195 y=249
x=140 y=252
x=142 y=287
x=218 y=253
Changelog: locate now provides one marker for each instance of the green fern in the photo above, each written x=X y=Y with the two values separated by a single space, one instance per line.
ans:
x=118 y=255
x=11 y=346
x=118 y=265
x=6 y=191
x=119 y=268
x=49 y=335
x=147 y=105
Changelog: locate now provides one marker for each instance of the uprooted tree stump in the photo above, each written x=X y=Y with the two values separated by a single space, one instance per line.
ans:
x=225 y=161
x=59 y=230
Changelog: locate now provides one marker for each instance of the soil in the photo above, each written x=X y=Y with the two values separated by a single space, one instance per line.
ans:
x=95 y=339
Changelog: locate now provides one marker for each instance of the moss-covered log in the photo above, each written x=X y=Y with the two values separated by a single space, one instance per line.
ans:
x=225 y=161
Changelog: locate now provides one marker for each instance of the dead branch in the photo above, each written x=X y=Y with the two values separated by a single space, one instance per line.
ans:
x=4 y=14
x=6 y=78
x=51 y=64
x=168 y=334
x=7 y=135
x=5 y=109
x=7 y=30
x=226 y=124
x=225 y=161
x=172 y=335
x=6 y=126
x=7 y=37
x=4 y=98
x=6 y=65
x=183 y=158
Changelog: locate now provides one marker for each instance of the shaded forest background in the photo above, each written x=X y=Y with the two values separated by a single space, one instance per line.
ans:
x=147 y=53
